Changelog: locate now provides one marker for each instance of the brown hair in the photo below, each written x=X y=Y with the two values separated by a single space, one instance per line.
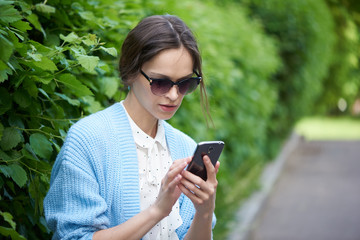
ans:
x=151 y=36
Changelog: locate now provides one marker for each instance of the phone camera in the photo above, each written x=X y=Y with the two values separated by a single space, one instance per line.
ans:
x=210 y=149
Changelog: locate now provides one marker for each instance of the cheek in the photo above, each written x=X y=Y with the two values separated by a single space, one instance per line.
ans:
x=145 y=96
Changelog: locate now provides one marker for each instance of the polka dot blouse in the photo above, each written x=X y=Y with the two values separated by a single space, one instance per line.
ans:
x=154 y=162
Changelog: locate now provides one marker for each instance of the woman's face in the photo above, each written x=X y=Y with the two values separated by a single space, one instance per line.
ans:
x=173 y=64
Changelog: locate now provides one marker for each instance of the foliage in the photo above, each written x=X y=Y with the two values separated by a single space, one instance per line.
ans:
x=343 y=78
x=305 y=32
x=54 y=68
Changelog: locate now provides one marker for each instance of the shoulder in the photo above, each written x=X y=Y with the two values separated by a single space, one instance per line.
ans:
x=99 y=126
x=100 y=120
x=93 y=133
x=92 y=137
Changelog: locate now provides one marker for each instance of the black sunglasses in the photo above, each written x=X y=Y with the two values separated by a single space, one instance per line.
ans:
x=161 y=86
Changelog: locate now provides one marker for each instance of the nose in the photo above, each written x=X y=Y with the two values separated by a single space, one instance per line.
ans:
x=173 y=93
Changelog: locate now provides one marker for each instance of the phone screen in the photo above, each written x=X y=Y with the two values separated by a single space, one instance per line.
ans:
x=212 y=149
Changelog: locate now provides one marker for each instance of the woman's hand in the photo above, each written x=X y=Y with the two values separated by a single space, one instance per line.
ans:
x=201 y=193
x=169 y=190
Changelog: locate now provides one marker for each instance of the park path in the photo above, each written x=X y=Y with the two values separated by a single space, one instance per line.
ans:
x=316 y=196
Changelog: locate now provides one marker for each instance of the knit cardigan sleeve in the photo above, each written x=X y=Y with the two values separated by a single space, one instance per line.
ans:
x=74 y=207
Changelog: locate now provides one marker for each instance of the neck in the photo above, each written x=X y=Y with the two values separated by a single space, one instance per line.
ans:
x=143 y=119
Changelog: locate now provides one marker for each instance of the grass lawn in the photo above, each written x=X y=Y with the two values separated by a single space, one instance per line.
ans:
x=329 y=128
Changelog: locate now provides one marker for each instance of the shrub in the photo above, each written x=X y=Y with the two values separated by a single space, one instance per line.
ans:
x=342 y=80
x=305 y=33
x=54 y=68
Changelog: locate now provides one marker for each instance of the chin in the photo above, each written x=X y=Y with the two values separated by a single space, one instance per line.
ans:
x=166 y=116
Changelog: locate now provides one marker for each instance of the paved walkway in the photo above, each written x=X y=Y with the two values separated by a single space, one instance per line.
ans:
x=316 y=195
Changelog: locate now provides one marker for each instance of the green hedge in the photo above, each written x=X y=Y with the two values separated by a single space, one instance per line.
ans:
x=305 y=33
x=343 y=78
x=55 y=67
x=264 y=65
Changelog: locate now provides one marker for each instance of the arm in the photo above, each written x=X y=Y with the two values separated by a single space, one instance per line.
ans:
x=139 y=225
x=203 y=198
x=134 y=228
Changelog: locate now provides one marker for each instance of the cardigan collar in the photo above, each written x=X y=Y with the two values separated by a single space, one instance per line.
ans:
x=130 y=184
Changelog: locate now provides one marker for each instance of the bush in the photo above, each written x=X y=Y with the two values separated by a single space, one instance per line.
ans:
x=342 y=80
x=305 y=33
x=54 y=68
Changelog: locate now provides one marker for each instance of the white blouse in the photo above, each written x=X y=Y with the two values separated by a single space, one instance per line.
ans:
x=154 y=161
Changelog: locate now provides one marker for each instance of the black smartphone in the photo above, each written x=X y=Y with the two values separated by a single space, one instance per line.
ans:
x=211 y=148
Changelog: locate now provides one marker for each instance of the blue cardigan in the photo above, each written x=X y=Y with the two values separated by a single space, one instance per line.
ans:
x=95 y=183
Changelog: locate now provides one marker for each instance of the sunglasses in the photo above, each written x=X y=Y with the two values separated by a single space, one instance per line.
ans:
x=161 y=86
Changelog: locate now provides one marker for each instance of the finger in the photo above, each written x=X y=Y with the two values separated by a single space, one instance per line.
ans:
x=178 y=162
x=175 y=169
x=172 y=185
x=193 y=179
x=210 y=169
x=194 y=188
x=217 y=166
x=194 y=198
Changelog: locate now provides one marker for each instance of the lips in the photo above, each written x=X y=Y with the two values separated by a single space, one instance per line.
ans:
x=168 y=108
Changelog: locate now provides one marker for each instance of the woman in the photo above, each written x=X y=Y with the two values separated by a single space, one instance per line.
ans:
x=120 y=173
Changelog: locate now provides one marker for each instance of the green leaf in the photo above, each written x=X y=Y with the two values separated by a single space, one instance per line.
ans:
x=6 y=2
x=78 y=50
x=3 y=65
x=109 y=86
x=46 y=64
x=88 y=62
x=8 y=218
x=29 y=153
x=44 y=8
x=11 y=232
x=45 y=79
x=87 y=15
x=6 y=49
x=4 y=75
x=112 y=51
x=73 y=102
x=90 y=40
x=10 y=139
x=35 y=56
x=31 y=87
x=4 y=156
x=16 y=172
x=74 y=85
x=41 y=145
x=22 y=98
x=70 y=38
x=22 y=26
x=9 y=14
x=34 y=20
x=92 y=105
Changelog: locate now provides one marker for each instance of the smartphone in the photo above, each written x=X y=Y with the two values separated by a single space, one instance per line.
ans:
x=211 y=148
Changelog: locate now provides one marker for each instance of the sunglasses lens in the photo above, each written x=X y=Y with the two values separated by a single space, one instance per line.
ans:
x=160 y=87
x=188 y=86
